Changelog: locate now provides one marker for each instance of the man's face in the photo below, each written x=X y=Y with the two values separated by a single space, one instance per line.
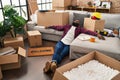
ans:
x=75 y=23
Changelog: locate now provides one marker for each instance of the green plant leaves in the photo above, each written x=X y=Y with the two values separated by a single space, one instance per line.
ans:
x=12 y=20
x=2 y=30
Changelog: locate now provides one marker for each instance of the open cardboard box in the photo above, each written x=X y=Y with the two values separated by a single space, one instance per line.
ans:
x=12 y=61
x=90 y=56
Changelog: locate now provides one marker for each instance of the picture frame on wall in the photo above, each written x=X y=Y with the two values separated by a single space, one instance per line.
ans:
x=106 y=4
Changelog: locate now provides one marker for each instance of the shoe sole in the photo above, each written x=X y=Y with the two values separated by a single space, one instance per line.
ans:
x=47 y=67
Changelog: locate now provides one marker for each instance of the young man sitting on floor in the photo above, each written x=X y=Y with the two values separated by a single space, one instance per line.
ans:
x=62 y=46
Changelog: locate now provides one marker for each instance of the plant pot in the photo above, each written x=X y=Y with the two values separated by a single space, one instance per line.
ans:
x=12 y=32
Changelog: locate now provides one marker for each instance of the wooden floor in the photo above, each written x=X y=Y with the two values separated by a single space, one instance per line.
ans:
x=32 y=67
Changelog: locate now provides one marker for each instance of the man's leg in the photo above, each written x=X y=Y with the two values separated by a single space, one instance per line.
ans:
x=58 y=49
x=60 y=54
x=65 y=52
x=55 y=58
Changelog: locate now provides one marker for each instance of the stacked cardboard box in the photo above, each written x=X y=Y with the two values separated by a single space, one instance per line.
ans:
x=90 y=56
x=60 y=4
x=34 y=38
x=14 y=42
x=12 y=61
x=94 y=25
x=52 y=18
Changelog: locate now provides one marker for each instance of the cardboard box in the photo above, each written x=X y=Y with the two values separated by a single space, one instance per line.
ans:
x=15 y=65
x=34 y=38
x=52 y=18
x=90 y=56
x=12 y=61
x=14 y=42
x=61 y=3
x=94 y=25
x=32 y=5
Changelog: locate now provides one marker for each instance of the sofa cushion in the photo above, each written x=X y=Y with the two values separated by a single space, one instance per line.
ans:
x=80 y=17
x=111 y=20
x=110 y=46
x=71 y=14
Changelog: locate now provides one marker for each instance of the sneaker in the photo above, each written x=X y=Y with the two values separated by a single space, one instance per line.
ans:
x=47 y=67
x=53 y=66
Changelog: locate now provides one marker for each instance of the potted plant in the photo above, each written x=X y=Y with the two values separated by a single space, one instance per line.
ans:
x=12 y=23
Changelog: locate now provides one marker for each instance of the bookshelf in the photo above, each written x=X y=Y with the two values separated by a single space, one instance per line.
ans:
x=93 y=9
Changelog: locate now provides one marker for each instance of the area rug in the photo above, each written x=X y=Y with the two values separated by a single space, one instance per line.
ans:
x=41 y=51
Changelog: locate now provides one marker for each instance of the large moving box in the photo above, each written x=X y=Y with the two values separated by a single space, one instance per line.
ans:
x=90 y=56
x=94 y=25
x=61 y=3
x=12 y=61
x=52 y=18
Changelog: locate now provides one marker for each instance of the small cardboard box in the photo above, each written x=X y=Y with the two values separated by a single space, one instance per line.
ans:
x=34 y=38
x=52 y=18
x=12 y=61
x=61 y=3
x=14 y=42
x=94 y=25
x=90 y=56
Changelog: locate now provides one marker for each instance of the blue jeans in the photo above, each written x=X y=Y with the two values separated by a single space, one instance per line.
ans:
x=61 y=50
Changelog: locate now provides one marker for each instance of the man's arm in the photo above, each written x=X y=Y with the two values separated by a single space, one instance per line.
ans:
x=59 y=28
x=92 y=33
x=83 y=30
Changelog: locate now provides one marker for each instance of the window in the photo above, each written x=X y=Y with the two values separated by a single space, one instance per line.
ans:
x=44 y=4
x=19 y=5
x=22 y=5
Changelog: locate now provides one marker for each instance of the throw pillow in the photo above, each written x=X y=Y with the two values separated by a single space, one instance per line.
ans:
x=80 y=17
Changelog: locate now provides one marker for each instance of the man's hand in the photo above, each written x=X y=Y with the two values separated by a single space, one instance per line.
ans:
x=100 y=37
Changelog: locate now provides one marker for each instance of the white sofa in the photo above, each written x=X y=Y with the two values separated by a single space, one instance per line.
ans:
x=76 y=50
x=111 y=21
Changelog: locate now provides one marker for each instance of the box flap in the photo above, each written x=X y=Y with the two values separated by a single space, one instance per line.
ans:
x=109 y=61
x=116 y=77
x=22 y=52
